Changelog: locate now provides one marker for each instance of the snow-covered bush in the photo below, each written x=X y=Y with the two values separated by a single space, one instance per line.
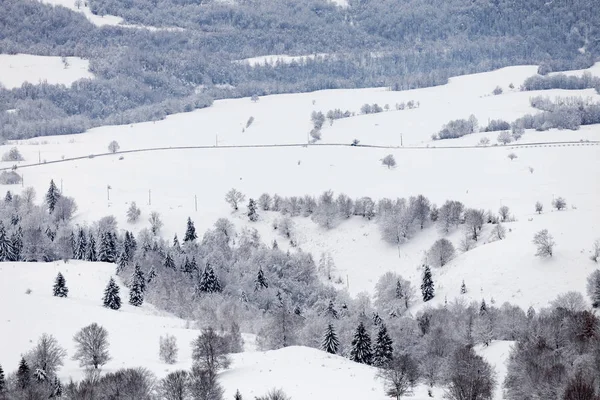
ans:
x=12 y=155
x=168 y=349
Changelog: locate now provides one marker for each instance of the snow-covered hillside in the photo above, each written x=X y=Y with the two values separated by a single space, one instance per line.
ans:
x=15 y=69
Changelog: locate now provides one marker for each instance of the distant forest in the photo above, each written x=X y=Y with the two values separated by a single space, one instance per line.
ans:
x=145 y=75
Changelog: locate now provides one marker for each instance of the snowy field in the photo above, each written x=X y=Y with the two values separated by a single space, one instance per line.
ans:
x=278 y=58
x=168 y=180
x=16 y=69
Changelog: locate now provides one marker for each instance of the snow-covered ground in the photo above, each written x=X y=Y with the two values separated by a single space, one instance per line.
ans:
x=279 y=58
x=15 y=69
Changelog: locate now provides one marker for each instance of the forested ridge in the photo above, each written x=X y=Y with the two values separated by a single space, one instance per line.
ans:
x=145 y=75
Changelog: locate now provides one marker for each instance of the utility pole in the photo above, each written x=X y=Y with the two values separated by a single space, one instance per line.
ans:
x=61 y=189
x=39 y=157
x=196 y=202
x=401 y=143
x=149 y=197
x=108 y=192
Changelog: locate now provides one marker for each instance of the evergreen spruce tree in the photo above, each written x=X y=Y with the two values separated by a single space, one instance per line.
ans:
x=176 y=245
x=90 y=253
x=530 y=313
x=186 y=268
x=252 y=214
x=193 y=265
x=73 y=243
x=261 y=281
x=80 y=246
x=190 y=232
x=151 y=275
x=112 y=246
x=383 y=352
x=107 y=250
x=482 y=307
x=376 y=319
x=330 y=341
x=169 y=262
x=209 y=283
x=399 y=290
x=52 y=196
x=121 y=262
x=2 y=381
x=57 y=390
x=427 y=288
x=238 y=395
x=111 y=296
x=60 y=286
x=361 y=346
x=23 y=374
x=128 y=245
x=136 y=294
x=16 y=241
x=331 y=312
x=138 y=275
x=6 y=248
x=463 y=288
x=8 y=198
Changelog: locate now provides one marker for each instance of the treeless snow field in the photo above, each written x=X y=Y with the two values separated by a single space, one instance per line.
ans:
x=16 y=69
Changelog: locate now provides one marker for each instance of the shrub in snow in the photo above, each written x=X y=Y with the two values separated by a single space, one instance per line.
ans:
x=254 y=98
x=389 y=161
x=544 y=243
x=458 y=128
x=484 y=141
x=517 y=132
x=498 y=233
x=91 y=346
x=539 y=207
x=559 y=203
x=274 y=394
x=113 y=146
x=10 y=178
x=315 y=134
x=512 y=156
x=497 y=90
x=12 y=155
x=168 y=349
x=174 y=386
x=497 y=125
x=155 y=222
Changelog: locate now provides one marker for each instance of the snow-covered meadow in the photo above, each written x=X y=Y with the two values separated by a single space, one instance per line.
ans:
x=169 y=181
x=15 y=69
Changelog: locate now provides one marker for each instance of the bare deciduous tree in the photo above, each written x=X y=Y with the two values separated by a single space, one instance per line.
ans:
x=155 y=222
x=539 y=207
x=175 y=386
x=474 y=220
x=441 y=252
x=64 y=209
x=504 y=212
x=544 y=243
x=498 y=233
x=400 y=376
x=389 y=161
x=274 y=394
x=234 y=198
x=559 y=203
x=593 y=288
x=91 y=346
x=47 y=355
x=471 y=378
x=168 y=349
x=570 y=301
x=209 y=351
x=113 y=146
x=264 y=202
x=133 y=213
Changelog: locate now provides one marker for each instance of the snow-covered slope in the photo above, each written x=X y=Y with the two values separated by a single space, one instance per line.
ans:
x=15 y=69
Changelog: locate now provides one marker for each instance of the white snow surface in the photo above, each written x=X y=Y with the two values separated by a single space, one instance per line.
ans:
x=15 y=69
x=279 y=58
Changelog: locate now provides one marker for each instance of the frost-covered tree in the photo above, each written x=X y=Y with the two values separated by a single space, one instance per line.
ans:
x=504 y=137
x=16 y=241
x=47 y=355
x=463 y=288
x=209 y=351
x=6 y=247
x=389 y=161
x=52 y=196
x=174 y=386
x=60 y=286
x=64 y=209
x=544 y=243
x=469 y=373
x=168 y=349
x=441 y=252
x=91 y=346
x=450 y=214
x=209 y=282
x=234 y=198
x=330 y=342
x=559 y=203
x=285 y=226
x=90 y=253
x=504 y=212
x=539 y=207
x=238 y=395
x=400 y=376
x=326 y=265
x=2 y=382
x=136 y=293
x=113 y=146
x=326 y=213
x=133 y=213
x=383 y=351
x=474 y=220
x=593 y=288
x=111 y=298
x=427 y=286
x=155 y=222
x=190 y=232
x=361 y=346
x=169 y=263
x=421 y=208
x=595 y=256
x=512 y=156
x=264 y=202
x=252 y=213
x=107 y=250
x=498 y=232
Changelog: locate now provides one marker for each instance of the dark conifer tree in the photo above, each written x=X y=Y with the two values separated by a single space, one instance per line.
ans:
x=252 y=214
x=190 y=232
x=169 y=262
x=52 y=196
x=384 y=351
x=209 y=283
x=2 y=381
x=136 y=294
x=482 y=307
x=8 y=198
x=275 y=245
x=112 y=246
x=427 y=287
x=73 y=243
x=138 y=275
x=57 y=390
x=463 y=288
x=50 y=233
x=23 y=374
x=376 y=319
x=107 y=250
x=331 y=312
x=151 y=275
x=91 y=253
x=399 y=290
x=16 y=241
x=193 y=265
x=261 y=281
x=176 y=245
x=121 y=262
x=60 y=286
x=6 y=248
x=111 y=298
x=238 y=395
x=186 y=268
x=361 y=346
x=330 y=341
x=80 y=246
